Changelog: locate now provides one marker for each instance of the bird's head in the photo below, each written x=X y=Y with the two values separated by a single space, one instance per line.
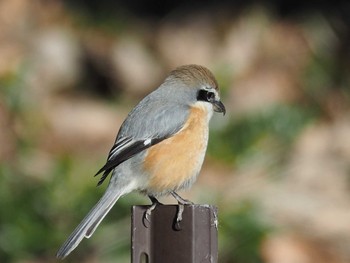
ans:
x=197 y=84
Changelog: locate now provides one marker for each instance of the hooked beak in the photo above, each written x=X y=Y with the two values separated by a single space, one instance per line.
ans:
x=219 y=106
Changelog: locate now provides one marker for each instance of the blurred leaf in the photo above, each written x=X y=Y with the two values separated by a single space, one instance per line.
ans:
x=25 y=218
x=242 y=137
x=241 y=233
x=326 y=76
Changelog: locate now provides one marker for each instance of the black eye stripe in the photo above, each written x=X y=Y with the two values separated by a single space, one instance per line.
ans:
x=204 y=95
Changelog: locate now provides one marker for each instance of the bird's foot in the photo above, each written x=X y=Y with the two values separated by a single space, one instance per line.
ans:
x=181 y=206
x=148 y=212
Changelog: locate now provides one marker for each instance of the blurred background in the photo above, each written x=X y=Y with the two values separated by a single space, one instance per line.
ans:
x=278 y=163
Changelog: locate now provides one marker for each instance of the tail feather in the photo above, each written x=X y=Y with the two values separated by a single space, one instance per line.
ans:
x=89 y=224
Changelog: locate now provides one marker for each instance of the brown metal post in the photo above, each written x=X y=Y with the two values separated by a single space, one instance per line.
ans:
x=161 y=242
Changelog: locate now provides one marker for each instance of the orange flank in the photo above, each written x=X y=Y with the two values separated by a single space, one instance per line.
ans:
x=163 y=159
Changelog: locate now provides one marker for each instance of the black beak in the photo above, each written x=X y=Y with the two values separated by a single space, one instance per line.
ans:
x=219 y=106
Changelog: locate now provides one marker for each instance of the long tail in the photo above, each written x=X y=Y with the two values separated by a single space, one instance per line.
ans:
x=89 y=224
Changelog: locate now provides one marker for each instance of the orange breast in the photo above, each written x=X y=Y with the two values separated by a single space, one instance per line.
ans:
x=176 y=161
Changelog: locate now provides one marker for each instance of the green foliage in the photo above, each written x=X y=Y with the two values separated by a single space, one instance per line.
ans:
x=38 y=215
x=245 y=136
x=241 y=233
x=323 y=77
x=11 y=86
x=26 y=216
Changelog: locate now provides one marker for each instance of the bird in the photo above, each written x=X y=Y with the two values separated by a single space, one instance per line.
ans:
x=160 y=147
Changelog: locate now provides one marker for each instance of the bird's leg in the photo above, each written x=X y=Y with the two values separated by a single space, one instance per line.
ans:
x=181 y=206
x=180 y=200
x=147 y=215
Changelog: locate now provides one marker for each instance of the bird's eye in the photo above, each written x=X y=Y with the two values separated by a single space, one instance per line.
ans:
x=204 y=95
x=210 y=96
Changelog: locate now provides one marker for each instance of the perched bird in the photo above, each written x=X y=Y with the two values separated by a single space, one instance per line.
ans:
x=160 y=146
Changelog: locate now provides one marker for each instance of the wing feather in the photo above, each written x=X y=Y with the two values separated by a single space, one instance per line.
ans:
x=150 y=122
x=121 y=152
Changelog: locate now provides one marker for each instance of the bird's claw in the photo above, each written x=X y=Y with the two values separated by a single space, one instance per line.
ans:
x=147 y=215
x=181 y=207
x=146 y=218
x=180 y=211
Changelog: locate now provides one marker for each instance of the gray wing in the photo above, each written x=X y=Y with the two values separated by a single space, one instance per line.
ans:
x=150 y=122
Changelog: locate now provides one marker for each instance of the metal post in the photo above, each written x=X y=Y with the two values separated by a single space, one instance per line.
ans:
x=161 y=241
